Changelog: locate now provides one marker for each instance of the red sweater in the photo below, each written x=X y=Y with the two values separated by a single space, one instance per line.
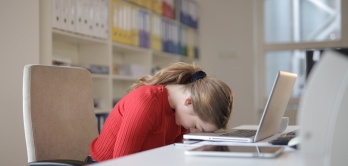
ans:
x=141 y=120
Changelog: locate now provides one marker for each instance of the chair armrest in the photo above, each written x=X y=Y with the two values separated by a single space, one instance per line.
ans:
x=58 y=163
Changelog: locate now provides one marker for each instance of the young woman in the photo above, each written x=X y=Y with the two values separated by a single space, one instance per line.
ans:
x=159 y=109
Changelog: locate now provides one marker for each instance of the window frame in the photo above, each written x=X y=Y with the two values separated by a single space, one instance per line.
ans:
x=262 y=47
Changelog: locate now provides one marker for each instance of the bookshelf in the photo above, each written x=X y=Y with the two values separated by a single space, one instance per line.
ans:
x=114 y=65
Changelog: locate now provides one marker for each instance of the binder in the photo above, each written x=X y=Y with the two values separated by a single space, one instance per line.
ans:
x=183 y=41
x=165 y=8
x=85 y=21
x=90 y=18
x=134 y=1
x=176 y=39
x=127 y=23
x=190 y=43
x=170 y=37
x=156 y=27
x=144 y=29
x=104 y=18
x=71 y=15
x=195 y=15
x=189 y=13
x=196 y=45
x=135 y=27
x=157 y=6
x=78 y=16
x=184 y=12
x=164 y=36
x=141 y=16
x=64 y=14
x=147 y=30
x=97 y=18
x=56 y=15
x=147 y=4
x=116 y=21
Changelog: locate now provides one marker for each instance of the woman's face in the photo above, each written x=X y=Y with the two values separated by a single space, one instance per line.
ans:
x=186 y=117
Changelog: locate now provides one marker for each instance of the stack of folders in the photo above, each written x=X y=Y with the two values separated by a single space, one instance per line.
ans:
x=170 y=37
x=156 y=30
x=153 y=5
x=87 y=17
x=161 y=33
x=162 y=7
x=189 y=12
x=168 y=8
x=148 y=4
x=144 y=29
x=124 y=23
x=183 y=40
x=134 y=38
x=188 y=42
x=130 y=24
x=191 y=43
x=196 y=45
x=157 y=6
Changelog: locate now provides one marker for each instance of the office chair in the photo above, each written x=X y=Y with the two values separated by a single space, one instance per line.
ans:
x=58 y=112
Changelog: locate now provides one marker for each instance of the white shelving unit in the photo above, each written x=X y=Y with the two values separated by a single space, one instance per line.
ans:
x=82 y=50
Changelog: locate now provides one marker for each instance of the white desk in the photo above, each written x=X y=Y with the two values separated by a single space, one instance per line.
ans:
x=171 y=155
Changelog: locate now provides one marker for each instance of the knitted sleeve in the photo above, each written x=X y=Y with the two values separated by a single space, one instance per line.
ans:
x=180 y=137
x=138 y=120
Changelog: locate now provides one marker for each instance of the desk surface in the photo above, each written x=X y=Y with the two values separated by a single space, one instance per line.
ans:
x=171 y=155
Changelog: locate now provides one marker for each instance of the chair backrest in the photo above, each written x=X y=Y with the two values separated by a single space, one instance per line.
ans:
x=59 y=118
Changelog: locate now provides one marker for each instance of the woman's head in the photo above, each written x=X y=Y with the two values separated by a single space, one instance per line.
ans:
x=211 y=98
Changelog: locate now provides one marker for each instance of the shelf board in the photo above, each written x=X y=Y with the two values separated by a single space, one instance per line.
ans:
x=129 y=48
x=125 y=78
x=166 y=54
x=74 y=38
x=103 y=76
x=101 y=110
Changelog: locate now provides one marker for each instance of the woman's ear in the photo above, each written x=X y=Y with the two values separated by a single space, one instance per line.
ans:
x=188 y=105
x=188 y=101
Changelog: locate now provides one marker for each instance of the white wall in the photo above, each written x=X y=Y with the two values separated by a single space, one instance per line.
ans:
x=227 y=51
x=19 y=45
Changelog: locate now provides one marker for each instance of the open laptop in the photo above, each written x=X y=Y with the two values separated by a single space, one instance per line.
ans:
x=271 y=117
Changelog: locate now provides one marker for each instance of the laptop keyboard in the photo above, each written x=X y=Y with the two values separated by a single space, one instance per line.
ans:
x=241 y=133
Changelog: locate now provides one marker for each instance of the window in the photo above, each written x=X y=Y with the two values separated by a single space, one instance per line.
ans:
x=294 y=61
x=289 y=21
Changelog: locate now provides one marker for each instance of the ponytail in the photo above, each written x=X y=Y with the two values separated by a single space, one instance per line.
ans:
x=177 y=73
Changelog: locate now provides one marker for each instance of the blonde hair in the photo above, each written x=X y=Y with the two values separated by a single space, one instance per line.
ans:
x=212 y=99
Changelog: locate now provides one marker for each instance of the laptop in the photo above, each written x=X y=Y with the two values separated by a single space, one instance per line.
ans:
x=270 y=120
